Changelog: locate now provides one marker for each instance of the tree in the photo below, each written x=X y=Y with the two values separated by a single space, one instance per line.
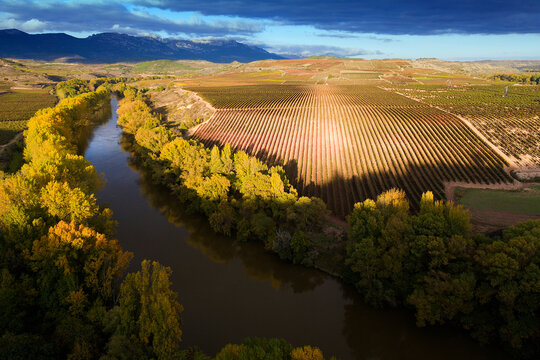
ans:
x=26 y=346
x=226 y=159
x=216 y=163
x=307 y=353
x=68 y=204
x=300 y=246
x=223 y=219
x=261 y=349
x=379 y=253
x=268 y=349
x=149 y=312
x=153 y=139
x=72 y=87
x=309 y=213
x=76 y=271
x=510 y=283
x=447 y=290
x=73 y=258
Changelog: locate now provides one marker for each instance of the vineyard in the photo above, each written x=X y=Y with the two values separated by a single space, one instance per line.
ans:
x=512 y=122
x=17 y=106
x=349 y=143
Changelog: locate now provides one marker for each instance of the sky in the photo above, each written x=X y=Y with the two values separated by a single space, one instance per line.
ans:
x=372 y=29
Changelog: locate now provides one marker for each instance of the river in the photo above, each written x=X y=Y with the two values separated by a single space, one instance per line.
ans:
x=232 y=291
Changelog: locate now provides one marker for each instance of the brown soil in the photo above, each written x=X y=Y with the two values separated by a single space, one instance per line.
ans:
x=488 y=220
x=178 y=105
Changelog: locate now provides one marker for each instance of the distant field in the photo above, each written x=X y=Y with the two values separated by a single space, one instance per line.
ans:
x=160 y=67
x=17 y=106
x=361 y=75
x=520 y=202
x=349 y=143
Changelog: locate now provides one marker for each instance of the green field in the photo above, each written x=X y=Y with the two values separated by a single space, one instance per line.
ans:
x=17 y=106
x=525 y=201
x=160 y=67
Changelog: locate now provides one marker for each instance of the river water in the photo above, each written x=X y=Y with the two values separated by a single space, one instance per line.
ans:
x=232 y=291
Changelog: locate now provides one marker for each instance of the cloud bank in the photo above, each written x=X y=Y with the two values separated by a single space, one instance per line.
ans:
x=303 y=51
x=99 y=16
x=396 y=17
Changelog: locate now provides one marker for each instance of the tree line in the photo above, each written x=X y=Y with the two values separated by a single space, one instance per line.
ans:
x=61 y=287
x=74 y=87
x=530 y=78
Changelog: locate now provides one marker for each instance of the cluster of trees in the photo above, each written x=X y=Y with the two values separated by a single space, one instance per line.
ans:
x=71 y=88
x=268 y=349
x=61 y=288
x=74 y=87
x=239 y=194
x=431 y=262
x=531 y=78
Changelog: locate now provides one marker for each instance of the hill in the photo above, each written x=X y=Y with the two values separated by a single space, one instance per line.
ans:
x=114 y=47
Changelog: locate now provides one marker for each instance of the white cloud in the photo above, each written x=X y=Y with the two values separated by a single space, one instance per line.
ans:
x=32 y=25
x=304 y=51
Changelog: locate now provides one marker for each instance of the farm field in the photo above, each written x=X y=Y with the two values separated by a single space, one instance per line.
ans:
x=512 y=123
x=493 y=210
x=525 y=201
x=348 y=143
x=17 y=107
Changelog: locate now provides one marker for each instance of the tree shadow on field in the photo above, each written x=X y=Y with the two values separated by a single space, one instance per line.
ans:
x=341 y=192
x=6 y=135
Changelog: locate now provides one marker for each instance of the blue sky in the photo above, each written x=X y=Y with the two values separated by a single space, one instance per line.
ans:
x=450 y=30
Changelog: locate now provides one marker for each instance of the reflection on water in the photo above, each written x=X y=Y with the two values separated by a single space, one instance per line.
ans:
x=235 y=290
x=85 y=133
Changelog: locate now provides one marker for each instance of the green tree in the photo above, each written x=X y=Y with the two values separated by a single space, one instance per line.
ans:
x=509 y=284
x=68 y=204
x=379 y=253
x=447 y=290
x=300 y=246
x=261 y=349
x=226 y=159
x=216 y=163
x=148 y=312
x=307 y=353
x=223 y=219
x=153 y=139
x=73 y=259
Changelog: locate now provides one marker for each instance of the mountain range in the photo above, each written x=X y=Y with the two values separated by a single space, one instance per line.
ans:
x=115 y=47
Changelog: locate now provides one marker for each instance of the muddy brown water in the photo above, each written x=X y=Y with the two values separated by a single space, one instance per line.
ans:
x=232 y=291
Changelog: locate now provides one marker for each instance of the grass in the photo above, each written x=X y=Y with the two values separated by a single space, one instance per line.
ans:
x=17 y=106
x=8 y=130
x=520 y=202
x=161 y=67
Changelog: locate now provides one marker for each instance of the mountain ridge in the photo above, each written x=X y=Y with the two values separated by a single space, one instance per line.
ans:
x=111 y=47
